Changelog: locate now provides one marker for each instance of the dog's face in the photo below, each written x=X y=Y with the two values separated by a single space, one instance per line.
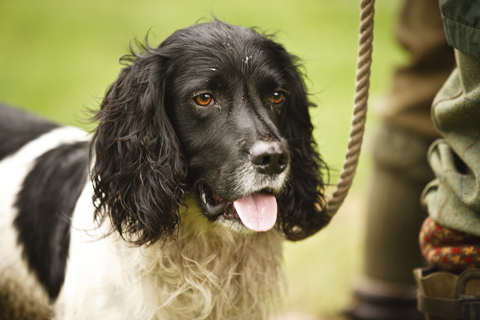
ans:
x=217 y=110
x=227 y=101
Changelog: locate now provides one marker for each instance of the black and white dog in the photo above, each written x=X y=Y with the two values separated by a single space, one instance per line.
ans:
x=202 y=163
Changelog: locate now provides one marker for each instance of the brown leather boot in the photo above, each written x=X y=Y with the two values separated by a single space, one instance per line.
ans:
x=447 y=296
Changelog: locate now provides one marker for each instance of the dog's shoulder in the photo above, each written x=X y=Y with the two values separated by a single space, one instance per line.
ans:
x=45 y=206
x=43 y=170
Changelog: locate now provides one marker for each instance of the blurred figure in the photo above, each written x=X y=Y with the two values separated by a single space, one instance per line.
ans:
x=444 y=82
x=400 y=172
x=450 y=237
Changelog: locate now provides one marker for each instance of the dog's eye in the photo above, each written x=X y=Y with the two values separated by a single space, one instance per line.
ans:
x=277 y=97
x=203 y=100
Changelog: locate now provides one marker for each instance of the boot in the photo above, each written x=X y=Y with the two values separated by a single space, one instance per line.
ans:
x=447 y=296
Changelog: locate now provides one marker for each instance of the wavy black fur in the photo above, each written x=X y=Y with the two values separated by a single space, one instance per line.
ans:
x=139 y=170
x=147 y=158
x=302 y=206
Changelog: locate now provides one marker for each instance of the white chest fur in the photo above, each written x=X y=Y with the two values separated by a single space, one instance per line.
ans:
x=209 y=272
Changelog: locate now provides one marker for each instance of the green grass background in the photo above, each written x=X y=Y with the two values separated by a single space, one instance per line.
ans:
x=57 y=58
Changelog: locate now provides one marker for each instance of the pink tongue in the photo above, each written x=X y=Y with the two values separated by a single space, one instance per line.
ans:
x=257 y=211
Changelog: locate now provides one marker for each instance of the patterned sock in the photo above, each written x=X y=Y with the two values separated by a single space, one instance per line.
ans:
x=447 y=249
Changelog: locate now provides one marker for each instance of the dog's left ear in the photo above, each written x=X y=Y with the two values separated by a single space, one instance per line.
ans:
x=138 y=169
x=302 y=205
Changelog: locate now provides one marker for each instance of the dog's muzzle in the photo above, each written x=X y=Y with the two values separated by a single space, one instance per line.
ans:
x=256 y=207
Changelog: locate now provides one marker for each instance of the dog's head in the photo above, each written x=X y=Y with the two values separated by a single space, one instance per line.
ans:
x=216 y=110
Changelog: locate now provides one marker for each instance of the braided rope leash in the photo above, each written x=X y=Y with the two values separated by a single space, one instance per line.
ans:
x=362 y=85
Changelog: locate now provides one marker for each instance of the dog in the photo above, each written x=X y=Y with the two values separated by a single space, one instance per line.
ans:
x=177 y=204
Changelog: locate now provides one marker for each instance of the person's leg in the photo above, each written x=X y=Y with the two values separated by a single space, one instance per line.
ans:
x=450 y=237
x=400 y=169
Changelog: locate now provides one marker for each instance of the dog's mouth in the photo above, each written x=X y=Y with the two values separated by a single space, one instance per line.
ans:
x=256 y=211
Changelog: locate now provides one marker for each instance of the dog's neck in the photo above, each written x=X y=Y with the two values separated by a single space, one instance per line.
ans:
x=211 y=271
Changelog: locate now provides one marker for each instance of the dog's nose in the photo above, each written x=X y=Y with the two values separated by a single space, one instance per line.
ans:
x=269 y=157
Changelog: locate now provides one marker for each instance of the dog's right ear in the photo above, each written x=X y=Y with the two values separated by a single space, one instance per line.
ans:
x=138 y=170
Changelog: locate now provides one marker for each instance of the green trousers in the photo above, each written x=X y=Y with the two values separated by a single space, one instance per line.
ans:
x=453 y=198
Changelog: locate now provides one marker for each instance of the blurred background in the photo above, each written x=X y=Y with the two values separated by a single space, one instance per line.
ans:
x=57 y=58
